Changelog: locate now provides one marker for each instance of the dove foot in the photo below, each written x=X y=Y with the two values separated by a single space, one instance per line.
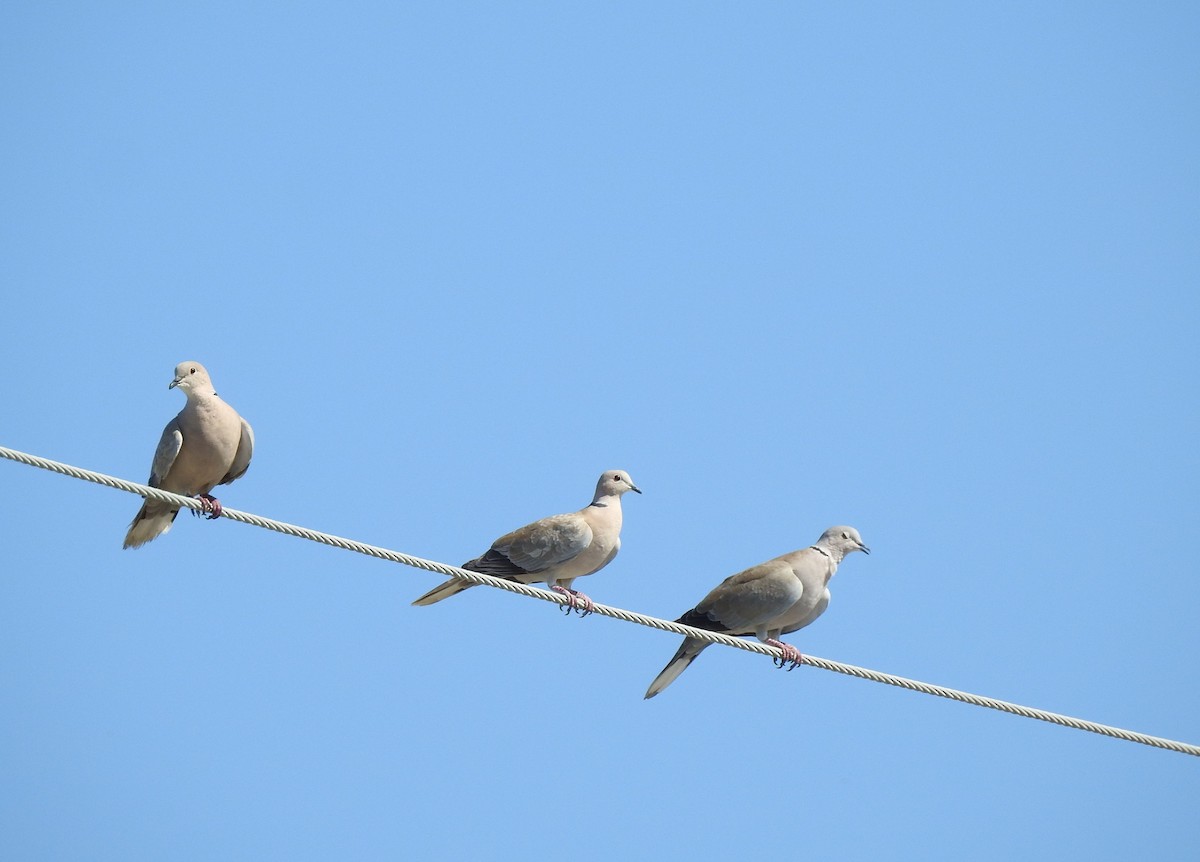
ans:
x=211 y=506
x=578 y=601
x=791 y=657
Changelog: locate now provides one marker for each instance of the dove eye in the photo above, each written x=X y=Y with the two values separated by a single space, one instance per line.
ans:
x=193 y=371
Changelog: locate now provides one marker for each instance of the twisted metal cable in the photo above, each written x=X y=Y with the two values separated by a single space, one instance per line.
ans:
x=603 y=610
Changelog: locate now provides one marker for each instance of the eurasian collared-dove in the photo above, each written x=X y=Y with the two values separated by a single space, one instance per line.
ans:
x=554 y=550
x=768 y=600
x=206 y=445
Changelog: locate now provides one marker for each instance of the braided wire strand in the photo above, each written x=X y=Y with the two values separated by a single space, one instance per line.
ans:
x=604 y=610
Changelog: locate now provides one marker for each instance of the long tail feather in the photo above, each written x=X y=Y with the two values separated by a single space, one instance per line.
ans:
x=686 y=654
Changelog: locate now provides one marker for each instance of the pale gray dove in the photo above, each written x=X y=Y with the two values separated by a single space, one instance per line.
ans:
x=206 y=445
x=768 y=600
x=554 y=550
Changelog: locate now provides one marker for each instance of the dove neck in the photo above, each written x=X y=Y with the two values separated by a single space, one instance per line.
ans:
x=606 y=501
x=607 y=507
x=200 y=396
x=836 y=555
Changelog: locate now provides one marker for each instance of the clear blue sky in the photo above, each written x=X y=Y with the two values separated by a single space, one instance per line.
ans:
x=930 y=270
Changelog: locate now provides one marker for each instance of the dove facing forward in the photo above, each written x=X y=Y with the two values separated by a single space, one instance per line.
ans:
x=768 y=600
x=554 y=550
x=206 y=445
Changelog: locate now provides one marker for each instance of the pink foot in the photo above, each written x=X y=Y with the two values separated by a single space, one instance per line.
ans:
x=588 y=604
x=211 y=506
x=578 y=601
x=791 y=657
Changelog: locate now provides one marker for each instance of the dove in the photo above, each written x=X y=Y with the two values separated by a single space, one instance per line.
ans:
x=206 y=445
x=554 y=550
x=771 y=599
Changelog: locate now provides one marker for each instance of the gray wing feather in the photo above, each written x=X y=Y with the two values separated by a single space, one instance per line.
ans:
x=543 y=544
x=245 y=451
x=747 y=600
x=164 y=456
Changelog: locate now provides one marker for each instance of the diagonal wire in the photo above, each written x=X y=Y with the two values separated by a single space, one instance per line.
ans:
x=603 y=610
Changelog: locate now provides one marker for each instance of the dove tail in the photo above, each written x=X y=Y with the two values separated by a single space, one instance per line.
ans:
x=452 y=587
x=684 y=656
x=151 y=521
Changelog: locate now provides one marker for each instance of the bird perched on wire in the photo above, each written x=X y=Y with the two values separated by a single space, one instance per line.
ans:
x=774 y=598
x=206 y=445
x=554 y=550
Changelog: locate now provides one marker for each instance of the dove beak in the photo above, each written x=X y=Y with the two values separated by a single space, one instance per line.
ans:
x=175 y=382
x=864 y=548
x=633 y=487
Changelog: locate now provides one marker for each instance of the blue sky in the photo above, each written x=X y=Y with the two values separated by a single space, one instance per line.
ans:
x=928 y=270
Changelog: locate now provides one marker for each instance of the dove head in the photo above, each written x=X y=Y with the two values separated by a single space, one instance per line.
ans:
x=193 y=379
x=840 y=541
x=614 y=483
